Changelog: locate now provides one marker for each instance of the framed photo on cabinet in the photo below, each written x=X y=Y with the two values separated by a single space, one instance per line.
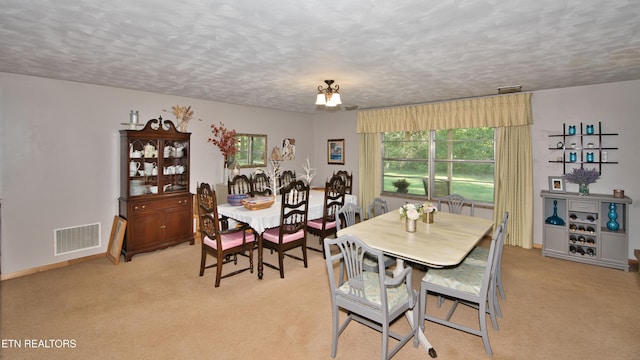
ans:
x=557 y=184
x=335 y=151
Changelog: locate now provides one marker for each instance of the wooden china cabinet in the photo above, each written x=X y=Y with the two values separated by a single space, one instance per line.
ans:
x=154 y=187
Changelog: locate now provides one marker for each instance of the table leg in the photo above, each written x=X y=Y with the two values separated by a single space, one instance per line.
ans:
x=260 y=264
x=422 y=338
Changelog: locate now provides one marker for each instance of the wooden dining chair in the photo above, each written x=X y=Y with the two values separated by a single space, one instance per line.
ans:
x=286 y=177
x=333 y=201
x=370 y=298
x=465 y=284
x=240 y=184
x=377 y=207
x=260 y=185
x=348 y=180
x=222 y=245
x=292 y=232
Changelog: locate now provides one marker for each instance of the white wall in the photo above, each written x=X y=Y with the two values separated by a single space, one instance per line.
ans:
x=339 y=124
x=60 y=152
x=616 y=105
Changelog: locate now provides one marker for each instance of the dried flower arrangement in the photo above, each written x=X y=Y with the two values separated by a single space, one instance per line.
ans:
x=183 y=114
x=225 y=140
x=309 y=172
x=583 y=176
x=273 y=174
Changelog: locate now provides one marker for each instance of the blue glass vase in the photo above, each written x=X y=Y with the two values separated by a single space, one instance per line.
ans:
x=612 y=224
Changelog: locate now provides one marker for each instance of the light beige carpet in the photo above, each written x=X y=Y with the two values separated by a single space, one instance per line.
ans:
x=157 y=307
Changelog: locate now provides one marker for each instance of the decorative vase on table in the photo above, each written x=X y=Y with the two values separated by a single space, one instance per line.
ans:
x=583 y=189
x=410 y=225
x=612 y=224
x=229 y=163
x=427 y=217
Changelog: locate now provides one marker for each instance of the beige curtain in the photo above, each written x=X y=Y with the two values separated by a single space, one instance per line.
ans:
x=370 y=169
x=511 y=114
x=514 y=184
x=496 y=111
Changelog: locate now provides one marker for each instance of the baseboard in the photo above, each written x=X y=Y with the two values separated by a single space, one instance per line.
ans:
x=38 y=269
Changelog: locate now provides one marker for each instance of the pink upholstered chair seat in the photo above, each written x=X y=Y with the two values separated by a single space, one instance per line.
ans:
x=273 y=235
x=317 y=224
x=228 y=240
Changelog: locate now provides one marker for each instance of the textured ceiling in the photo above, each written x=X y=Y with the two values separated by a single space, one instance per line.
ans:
x=275 y=53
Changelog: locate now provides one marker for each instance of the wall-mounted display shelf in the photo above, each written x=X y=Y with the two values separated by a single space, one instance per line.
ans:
x=592 y=229
x=154 y=187
x=583 y=146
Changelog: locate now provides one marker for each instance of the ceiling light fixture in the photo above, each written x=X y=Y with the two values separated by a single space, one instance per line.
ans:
x=328 y=97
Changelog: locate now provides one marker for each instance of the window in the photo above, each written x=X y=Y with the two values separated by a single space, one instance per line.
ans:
x=252 y=150
x=440 y=162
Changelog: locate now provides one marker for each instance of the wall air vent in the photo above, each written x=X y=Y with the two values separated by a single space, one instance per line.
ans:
x=77 y=238
x=509 y=89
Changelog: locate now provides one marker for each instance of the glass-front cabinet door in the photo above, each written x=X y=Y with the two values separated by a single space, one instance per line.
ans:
x=143 y=166
x=156 y=160
x=175 y=166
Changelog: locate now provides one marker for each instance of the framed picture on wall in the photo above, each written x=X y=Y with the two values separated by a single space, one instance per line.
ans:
x=335 y=151
x=557 y=184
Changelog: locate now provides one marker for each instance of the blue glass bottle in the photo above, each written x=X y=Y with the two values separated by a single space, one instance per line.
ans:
x=589 y=157
x=555 y=219
x=572 y=130
x=589 y=129
x=612 y=224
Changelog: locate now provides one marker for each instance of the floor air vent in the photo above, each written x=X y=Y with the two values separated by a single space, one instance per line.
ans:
x=77 y=238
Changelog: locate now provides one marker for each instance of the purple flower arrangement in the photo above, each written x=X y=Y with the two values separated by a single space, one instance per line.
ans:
x=583 y=176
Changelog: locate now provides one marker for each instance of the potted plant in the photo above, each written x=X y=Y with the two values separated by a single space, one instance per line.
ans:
x=402 y=185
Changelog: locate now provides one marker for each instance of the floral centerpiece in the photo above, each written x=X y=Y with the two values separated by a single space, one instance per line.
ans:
x=225 y=140
x=410 y=211
x=583 y=177
x=426 y=210
x=428 y=207
x=183 y=114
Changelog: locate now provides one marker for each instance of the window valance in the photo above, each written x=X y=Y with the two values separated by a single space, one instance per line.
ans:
x=493 y=111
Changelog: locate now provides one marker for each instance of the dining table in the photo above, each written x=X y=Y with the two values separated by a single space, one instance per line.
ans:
x=445 y=242
x=263 y=219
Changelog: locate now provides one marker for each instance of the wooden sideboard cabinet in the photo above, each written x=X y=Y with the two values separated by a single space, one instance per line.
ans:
x=154 y=187
x=582 y=233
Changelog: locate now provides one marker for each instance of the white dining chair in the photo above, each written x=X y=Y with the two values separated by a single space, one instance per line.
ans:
x=455 y=203
x=479 y=256
x=370 y=298
x=348 y=212
x=465 y=284
x=377 y=207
